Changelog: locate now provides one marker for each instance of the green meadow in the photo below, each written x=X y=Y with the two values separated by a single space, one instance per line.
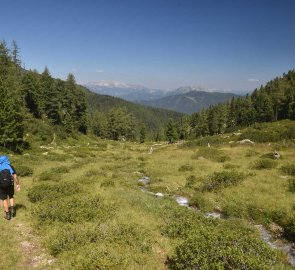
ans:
x=81 y=206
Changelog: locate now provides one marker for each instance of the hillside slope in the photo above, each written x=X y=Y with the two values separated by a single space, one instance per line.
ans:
x=190 y=102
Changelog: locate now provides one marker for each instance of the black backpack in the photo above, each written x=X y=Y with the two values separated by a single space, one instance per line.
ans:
x=5 y=178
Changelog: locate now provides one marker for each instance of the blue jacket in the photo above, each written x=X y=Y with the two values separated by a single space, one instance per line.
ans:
x=5 y=164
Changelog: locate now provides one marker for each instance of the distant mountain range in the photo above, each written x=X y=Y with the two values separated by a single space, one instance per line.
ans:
x=130 y=92
x=184 y=99
x=190 y=102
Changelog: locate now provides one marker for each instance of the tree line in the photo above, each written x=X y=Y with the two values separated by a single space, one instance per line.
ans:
x=28 y=94
x=67 y=107
x=272 y=102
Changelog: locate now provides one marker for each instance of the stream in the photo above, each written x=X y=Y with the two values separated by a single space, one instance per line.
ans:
x=275 y=243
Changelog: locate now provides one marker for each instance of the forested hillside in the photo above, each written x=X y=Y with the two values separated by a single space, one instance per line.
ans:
x=272 y=102
x=108 y=112
x=189 y=102
x=39 y=105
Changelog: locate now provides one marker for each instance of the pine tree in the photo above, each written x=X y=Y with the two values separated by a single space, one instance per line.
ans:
x=142 y=134
x=171 y=134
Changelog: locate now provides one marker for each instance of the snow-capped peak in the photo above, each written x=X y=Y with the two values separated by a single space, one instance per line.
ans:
x=115 y=84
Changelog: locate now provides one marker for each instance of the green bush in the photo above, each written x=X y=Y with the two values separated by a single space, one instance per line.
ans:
x=94 y=257
x=23 y=170
x=288 y=169
x=180 y=224
x=49 y=192
x=49 y=176
x=72 y=210
x=264 y=164
x=185 y=168
x=190 y=181
x=270 y=132
x=53 y=174
x=223 y=179
x=217 y=249
x=211 y=154
x=292 y=184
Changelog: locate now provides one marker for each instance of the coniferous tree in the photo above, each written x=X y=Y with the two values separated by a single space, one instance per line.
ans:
x=142 y=134
x=171 y=133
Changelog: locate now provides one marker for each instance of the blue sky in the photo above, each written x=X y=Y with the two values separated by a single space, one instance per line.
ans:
x=232 y=45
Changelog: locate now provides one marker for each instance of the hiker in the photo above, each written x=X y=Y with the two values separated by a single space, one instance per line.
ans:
x=7 y=178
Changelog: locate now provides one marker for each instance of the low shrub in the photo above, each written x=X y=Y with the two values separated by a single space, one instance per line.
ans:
x=292 y=184
x=264 y=164
x=211 y=154
x=49 y=176
x=180 y=224
x=224 y=248
x=93 y=256
x=23 y=170
x=73 y=209
x=185 y=168
x=49 y=192
x=251 y=153
x=288 y=169
x=223 y=179
x=190 y=181
x=53 y=174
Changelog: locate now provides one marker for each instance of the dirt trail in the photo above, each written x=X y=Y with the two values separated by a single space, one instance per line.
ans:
x=34 y=255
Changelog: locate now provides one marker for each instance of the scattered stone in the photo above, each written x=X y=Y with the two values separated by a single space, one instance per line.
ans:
x=216 y=215
x=276 y=229
x=151 y=150
x=46 y=147
x=276 y=155
x=231 y=142
x=159 y=194
x=27 y=245
x=225 y=137
x=26 y=155
x=237 y=133
x=181 y=200
x=209 y=145
x=144 y=180
x=284 y=176
x=45 y=153
x=245 y=141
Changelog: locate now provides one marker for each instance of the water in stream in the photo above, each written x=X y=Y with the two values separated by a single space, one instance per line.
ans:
x=286 y=247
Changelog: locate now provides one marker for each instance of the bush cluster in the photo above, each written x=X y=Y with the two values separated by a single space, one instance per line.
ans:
x=23 y=170
x=73 y=209
x=223 y=179
x=288 y=169
x=217 y=249
x=266 y=132
x=211 y=154
x=264 y=164
x=185 y=168
x=53 y=174
x=190 y=181
x=69 y=238
x=46 y=191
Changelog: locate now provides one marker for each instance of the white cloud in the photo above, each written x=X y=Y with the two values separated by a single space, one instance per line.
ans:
x=99 y=71
x=74 y=70
x=253 y=80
